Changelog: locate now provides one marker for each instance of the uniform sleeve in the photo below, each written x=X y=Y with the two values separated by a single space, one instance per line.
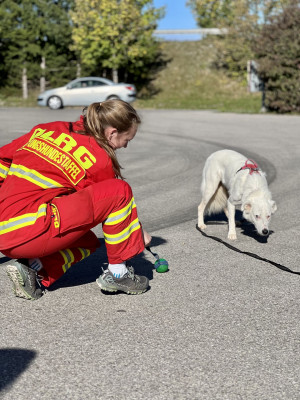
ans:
x=7 y=153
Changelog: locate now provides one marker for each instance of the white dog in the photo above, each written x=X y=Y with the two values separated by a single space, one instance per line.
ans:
x=230 y=179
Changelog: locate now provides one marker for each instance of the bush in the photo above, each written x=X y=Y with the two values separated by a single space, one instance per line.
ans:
x=278 y=54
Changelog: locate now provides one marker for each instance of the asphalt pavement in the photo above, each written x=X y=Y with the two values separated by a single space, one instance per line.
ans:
x=223 y=323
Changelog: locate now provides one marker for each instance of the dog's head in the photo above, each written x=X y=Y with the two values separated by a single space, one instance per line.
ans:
x=258 y=210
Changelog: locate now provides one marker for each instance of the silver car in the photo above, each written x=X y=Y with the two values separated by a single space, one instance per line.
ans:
x=84 y=91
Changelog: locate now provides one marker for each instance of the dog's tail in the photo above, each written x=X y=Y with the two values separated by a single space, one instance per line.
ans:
x=218 y=201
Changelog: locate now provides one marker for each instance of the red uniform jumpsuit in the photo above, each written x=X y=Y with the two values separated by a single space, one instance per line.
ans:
x=55 y=186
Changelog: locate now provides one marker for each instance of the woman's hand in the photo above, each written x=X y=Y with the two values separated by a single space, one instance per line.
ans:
x=147 y=238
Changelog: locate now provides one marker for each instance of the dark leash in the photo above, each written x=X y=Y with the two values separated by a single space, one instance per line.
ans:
x=282 y=267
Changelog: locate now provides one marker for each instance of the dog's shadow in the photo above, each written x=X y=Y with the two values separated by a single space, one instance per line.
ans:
x=247 y=229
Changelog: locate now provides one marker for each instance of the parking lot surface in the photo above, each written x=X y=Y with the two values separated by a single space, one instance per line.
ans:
x=221 y=324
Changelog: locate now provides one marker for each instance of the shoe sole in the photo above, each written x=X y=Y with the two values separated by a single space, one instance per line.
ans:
x=111 y=289
x=16 y=278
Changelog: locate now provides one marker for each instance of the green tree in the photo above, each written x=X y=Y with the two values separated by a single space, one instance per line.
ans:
x=243 y=19
x=212 y=14
x=277 y=49
x=116 y=35
x=56 y=40
x=234 y=48
x=224 y=13
x=30 y=30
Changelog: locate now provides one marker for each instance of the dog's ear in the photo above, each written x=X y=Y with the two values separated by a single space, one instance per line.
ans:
x=246 y=208
x=273 y=206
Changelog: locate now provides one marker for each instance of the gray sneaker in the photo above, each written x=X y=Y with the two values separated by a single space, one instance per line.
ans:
x=24 y=281
x=130 y=283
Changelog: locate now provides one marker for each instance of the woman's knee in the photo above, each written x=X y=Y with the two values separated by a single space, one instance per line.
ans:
x=125 y=188
x=112 y=188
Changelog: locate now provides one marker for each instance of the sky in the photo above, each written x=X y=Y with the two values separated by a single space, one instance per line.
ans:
x=177 y=16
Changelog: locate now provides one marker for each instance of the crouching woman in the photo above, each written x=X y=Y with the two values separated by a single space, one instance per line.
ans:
x=59 y=181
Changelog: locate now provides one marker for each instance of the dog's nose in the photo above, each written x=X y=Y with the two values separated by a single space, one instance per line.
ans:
x=265 y=232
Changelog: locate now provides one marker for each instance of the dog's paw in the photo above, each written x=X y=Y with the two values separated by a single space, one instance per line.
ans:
x=231 y=236
x=202 y=226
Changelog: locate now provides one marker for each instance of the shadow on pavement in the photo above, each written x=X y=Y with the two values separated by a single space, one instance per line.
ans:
x=12 y=363
x=89 y=269
x=4 y=259
x=247 y=229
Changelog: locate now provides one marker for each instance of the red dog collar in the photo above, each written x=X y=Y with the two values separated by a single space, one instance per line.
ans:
x=252 y=167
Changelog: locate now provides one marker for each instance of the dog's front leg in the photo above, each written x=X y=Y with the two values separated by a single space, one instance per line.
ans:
x=231 y=221
x=201 y=209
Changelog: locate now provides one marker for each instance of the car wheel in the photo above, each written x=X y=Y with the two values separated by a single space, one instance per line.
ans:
x=113 y=97
x=55 y=102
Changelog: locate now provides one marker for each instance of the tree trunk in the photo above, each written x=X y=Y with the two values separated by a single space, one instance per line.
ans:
x=78 y=70
x=24 y=83
x=115 y=75
x=43 y=79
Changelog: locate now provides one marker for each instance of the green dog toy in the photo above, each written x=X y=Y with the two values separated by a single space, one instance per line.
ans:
x=161 y=265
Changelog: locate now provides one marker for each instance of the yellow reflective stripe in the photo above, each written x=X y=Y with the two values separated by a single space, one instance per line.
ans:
x=33 y=176
x=65 y=261
x=3 y=170
x=68 y=257
x=120 y=237
x=84 y=252
x=22 y=220
x=119 y=216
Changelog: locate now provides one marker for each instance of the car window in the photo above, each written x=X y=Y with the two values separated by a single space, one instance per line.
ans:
x=80 y=84
x=75 y=85
x=97 y=83
x=89 y=83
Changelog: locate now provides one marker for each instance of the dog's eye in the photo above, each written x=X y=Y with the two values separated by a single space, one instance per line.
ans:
x=268 y=216
x=257 y=216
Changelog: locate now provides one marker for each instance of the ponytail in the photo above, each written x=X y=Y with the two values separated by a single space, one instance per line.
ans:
x=99 y=116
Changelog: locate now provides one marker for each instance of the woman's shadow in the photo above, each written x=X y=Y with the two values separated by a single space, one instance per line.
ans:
x=89 y=269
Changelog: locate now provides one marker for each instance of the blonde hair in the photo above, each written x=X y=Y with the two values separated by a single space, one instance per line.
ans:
x=115 y=113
